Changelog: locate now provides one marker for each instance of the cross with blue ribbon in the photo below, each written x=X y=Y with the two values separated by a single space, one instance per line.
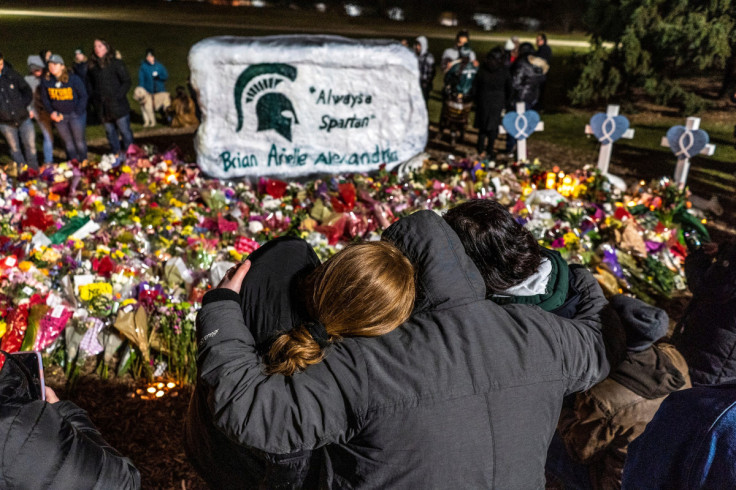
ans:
x=521 y=125
x=683 y=153
x=608 y=127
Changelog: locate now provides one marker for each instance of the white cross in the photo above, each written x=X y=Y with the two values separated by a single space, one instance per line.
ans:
x=604 y=155
x=521 y=143
x=683 y=164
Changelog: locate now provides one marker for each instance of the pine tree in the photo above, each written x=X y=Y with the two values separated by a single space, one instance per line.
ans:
x=653 y=45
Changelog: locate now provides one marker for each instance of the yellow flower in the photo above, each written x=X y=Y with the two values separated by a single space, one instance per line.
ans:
x=125 y=169
x=3 y=326
x=50 y=255
x=78 y=244
x=72 y=213
x=570 y=239
x=25 y=266
x=26 y=236
x=99 y=206
x=236 y=255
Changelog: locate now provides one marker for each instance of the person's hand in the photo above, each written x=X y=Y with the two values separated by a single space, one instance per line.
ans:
x=56 y=117
x=51 y=396
x=710 y=248
x=31 y=114
x=233 y=280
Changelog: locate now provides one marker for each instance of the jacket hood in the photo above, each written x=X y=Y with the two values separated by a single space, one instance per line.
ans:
x=534 y=284
x=446 y=275
x=424 y=44
x=14 y=384
x=538 y=62
x=547 y=288
x=649 y=373
x=271 y=297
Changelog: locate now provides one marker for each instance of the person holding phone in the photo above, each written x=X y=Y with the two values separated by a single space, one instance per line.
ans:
x=52 y=443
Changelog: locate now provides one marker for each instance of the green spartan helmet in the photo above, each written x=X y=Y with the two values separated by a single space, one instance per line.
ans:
x=271 y=106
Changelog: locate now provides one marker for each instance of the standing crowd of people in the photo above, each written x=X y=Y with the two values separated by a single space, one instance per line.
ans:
x=505 y=76
x=65 y=98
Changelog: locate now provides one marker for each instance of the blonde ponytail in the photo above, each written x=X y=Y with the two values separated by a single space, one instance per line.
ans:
x=367 y=290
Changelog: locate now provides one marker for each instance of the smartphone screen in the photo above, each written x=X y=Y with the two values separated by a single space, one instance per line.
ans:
x=34 y=365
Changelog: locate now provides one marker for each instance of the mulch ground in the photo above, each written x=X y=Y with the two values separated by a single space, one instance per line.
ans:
x=149 y=432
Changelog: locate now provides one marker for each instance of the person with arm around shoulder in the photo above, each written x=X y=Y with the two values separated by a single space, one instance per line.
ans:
x=297 y=312
x=424 y=405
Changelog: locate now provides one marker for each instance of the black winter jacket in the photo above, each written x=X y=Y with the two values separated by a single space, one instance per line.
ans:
x=53 y=446
x=492 y=94
x=271 y=303
x=465 y=394
x=15 y=97
x=527 y=75
x=706 y=335
x=109 y=86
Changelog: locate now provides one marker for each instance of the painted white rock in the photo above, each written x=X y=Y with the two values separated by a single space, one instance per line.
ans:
x=297 y=105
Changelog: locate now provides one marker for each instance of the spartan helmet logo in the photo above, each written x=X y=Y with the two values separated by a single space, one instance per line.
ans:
x=272 y=107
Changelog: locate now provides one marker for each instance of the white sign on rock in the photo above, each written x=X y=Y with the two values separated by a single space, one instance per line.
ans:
x=295 y=105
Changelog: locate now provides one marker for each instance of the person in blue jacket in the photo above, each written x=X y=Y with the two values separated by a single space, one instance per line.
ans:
x=64 y=96
x=152 y=76
x=690 y=443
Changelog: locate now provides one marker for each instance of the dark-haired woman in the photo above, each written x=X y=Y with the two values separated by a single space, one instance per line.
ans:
x=513 y=265
x=109 y=83
x=65 y=99
x=492 y=93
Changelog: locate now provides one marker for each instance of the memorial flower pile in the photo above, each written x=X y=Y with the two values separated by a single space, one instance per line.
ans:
x=110 y=260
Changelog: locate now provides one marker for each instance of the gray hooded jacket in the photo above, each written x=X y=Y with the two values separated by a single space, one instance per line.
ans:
x=466 y=394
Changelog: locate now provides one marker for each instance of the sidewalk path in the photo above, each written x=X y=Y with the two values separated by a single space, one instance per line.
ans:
x=394 y=29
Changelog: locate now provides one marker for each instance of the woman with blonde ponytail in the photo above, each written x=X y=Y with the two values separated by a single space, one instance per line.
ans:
x=296 y=309
x=365 y=290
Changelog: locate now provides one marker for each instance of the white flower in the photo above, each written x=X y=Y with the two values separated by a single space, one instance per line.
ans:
x=254 y=227
x=271 y=204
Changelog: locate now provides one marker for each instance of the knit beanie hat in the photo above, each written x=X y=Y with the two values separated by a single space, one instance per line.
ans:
x=644 y=324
